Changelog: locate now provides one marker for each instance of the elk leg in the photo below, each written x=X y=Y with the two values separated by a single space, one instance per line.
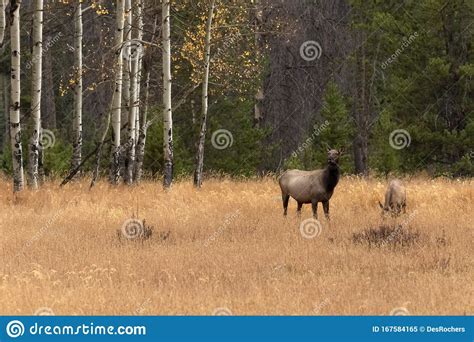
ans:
x=285 y=198
x=314 y=206
x=326 y=209
x=298 y=211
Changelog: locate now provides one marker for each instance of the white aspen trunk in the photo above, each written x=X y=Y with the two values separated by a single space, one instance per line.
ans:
x=5 y=106
x=15 y=129
x=139 y=61
x=167 y=113
x=204 y=99
x=144 y=123
x=135 y=55
x=126 y=65
x=117 y=96
x=142 y=135
x=34 y=148
x=77 y=116
x=2 y=21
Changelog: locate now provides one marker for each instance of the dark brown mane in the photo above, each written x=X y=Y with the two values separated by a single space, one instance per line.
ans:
x=331 y=177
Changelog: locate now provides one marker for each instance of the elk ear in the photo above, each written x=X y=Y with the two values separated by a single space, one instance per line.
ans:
x=327 y=147
x=380 y=204
x=342 y=150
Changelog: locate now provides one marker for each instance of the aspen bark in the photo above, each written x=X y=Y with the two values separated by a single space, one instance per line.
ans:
x=117 y=96
x=167 y=113
x=146 y=61
x=34 y=148
x=126 y=64
x=139 y=61
x=204 y=99
x=135 y=57
x=15 y=129
x=77 y=116
x=5 y=108
x=2 y=21
x=142 y=133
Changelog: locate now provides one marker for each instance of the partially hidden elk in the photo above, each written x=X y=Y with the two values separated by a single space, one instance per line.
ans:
x=395 y=199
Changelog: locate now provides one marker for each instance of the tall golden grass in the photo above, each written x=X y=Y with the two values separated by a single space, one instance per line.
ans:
x=230 y=250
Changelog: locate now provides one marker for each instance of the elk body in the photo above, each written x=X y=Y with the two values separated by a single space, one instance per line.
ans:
x=395 y=198
x=311 y=186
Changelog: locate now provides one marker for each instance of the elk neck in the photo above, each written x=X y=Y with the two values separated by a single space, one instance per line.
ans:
x=331 y=176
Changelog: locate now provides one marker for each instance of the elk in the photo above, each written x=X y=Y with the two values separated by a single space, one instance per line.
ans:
x=395 y=199
x=311 y=186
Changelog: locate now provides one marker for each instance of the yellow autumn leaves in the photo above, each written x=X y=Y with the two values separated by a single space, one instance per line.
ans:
x=234 y=63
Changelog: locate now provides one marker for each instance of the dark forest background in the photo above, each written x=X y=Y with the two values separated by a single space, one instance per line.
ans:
x=384 y=66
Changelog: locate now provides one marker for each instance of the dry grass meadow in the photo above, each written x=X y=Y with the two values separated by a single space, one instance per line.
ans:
x=228 y=248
